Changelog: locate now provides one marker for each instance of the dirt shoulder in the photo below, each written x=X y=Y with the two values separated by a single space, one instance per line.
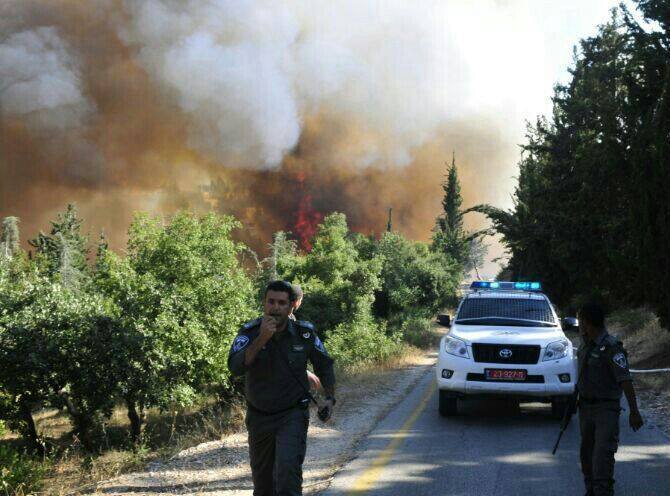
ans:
x=222 y=467
x=648 y=347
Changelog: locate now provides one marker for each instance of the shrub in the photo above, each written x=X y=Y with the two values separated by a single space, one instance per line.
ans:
x=339 y=285
x=631 y=319
x=19 y=473
x=55 y=351
x=179 y=297
x=362 y=343
x=418 y=332
x=414 y=280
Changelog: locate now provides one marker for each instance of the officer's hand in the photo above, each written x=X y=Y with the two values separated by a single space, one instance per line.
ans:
x=325 y=410
x=635 y=420
x=268 y=328
x=314 y=381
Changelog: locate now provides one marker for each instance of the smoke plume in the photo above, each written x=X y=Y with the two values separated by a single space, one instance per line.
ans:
x=276 y=112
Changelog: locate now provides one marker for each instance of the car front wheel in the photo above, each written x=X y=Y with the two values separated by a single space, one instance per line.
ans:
x=448 y=405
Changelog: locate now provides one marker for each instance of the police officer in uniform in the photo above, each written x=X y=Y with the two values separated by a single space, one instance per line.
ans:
x=314 y=381
x=297 y=289
x=272 y=353
x=604 y=376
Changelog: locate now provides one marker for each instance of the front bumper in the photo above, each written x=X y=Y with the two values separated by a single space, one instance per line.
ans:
x=468 y=377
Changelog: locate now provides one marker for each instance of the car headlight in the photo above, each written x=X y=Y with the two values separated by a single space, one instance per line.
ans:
x=456 y=347
x=556 y=350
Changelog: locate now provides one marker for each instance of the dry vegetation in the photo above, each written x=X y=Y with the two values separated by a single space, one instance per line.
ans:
x=648 y=346
x=72 y=470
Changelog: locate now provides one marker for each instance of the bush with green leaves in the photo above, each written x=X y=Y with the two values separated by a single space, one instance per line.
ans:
x=339 y=283
x=179 y=297
x=414 y=279
x=359 y=343
x=360 y=291
x=152 y=328
x=54 y=337
x=20 y=473
x=418 y=331
x=55 y=351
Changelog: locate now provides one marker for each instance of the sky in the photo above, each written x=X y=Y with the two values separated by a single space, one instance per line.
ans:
x=273 y=111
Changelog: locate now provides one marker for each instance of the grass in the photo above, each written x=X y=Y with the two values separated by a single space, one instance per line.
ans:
x=73 y=470
x=648 y=347
x=20 y=473
x=647 y=343
x=632 y=320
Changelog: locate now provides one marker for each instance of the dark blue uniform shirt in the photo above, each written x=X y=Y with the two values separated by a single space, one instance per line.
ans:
x=606 y=368
x=271 y=381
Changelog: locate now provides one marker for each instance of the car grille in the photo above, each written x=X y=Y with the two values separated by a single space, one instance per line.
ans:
x=530 y=379
x=521 y=353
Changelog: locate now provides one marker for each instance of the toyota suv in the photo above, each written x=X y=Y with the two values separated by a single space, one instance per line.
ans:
x=505 y=341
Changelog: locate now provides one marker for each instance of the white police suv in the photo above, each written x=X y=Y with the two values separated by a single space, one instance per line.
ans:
x=505 y=341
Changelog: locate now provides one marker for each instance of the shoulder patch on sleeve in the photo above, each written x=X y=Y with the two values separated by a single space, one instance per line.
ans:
x=252 y=323
x=318 y=344
x=241 y=342
x=620 y=360
x=306 y=324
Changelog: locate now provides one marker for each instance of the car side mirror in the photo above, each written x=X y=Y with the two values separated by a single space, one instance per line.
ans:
x=571 y=324
x=444 y=319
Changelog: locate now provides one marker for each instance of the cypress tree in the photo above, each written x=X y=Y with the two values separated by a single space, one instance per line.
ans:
x=449 y=236
x=452 y=201
x=65 y=246
x=9 y=241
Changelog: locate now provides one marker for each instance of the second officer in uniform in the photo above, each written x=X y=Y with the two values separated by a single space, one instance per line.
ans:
x=272 y=353
x=605 y=376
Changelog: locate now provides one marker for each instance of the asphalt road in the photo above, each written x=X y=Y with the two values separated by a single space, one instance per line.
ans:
x=491 y=449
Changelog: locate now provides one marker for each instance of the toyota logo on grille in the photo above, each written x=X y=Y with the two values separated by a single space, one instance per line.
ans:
x=505 y=353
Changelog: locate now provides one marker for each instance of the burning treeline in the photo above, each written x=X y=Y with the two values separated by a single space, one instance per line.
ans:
x=257 y=110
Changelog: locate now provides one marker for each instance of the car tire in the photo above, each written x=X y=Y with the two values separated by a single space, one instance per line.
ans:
x=558 y=406
x=448 y=404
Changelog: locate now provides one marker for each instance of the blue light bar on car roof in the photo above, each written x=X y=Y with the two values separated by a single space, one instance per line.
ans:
x=508 y=285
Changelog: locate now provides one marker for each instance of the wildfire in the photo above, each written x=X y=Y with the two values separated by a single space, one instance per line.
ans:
x=307 y=218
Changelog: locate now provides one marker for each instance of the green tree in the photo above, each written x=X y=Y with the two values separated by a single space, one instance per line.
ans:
x=449 y=236
x=414 y=280
x=179 y=298
x=452 y=219
x=53 y=351
x=590 y=207
x=64 y=251
x=339 y=284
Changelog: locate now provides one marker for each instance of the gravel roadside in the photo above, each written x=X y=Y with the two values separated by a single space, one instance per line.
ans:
x=222 y=467
x=648 y=347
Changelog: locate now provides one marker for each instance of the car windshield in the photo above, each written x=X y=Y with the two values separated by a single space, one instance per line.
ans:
x=506 y=311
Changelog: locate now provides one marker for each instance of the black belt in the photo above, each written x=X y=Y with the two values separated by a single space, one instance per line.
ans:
x=595 y=401
x=303 y=404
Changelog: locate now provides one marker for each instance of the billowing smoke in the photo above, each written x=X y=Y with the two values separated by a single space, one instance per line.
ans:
x=264 y=109
x=41 y=82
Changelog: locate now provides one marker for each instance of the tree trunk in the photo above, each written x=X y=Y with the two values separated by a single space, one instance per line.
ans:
x=82 y=422
x=136 y=421
x=30 y=429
